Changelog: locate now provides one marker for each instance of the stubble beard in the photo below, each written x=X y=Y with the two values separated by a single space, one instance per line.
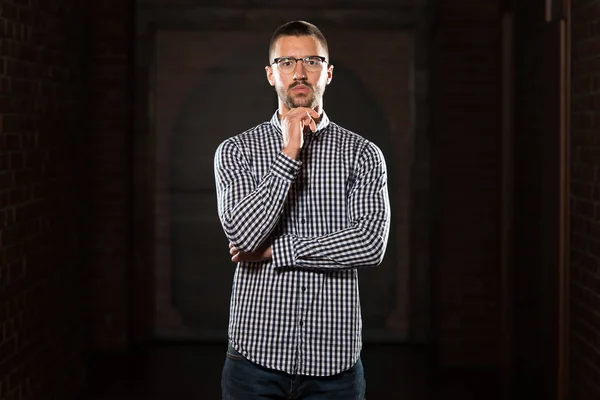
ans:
x=310 y=100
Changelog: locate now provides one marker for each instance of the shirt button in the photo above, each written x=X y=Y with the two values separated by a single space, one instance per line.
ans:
x=303 y=288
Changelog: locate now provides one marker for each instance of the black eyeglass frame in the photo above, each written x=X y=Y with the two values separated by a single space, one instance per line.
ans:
x=276 y=60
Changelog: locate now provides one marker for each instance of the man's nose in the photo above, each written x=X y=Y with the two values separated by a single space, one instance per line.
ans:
x=299 y=72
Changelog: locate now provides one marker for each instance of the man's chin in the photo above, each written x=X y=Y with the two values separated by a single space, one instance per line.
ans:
x=296 y=102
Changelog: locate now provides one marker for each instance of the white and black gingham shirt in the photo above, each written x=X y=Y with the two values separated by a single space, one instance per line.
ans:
x=325 y=215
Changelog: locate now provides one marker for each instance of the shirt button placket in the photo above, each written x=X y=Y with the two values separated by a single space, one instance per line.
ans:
x=301 y=321
x=305 y=198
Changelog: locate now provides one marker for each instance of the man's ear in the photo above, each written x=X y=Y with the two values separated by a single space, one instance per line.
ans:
x=270 y=77
x=329 y=74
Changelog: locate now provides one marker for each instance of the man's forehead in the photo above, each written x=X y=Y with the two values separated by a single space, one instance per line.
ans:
x=297 y=46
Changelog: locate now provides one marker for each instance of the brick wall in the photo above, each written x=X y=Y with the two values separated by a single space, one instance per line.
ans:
x=585 y=201
x=43 y=290
x=466 y=167
x=110 y=155
x=63 y=81
x=536 y=200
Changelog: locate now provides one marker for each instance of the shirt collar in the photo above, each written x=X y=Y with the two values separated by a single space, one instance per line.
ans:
x=323 y=123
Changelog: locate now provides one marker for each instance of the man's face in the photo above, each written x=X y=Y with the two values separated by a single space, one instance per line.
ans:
x=299 y=87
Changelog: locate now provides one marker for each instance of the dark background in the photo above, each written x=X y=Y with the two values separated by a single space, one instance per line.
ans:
x=487 y=111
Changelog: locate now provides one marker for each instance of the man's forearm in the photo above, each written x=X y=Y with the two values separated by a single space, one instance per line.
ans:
x=249 y=212
x=355 y=247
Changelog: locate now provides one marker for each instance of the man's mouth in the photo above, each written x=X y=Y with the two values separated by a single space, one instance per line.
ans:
x=300 y=88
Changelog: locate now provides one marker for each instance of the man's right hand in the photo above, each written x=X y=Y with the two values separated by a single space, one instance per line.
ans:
x=264 y=253
x=292 y=127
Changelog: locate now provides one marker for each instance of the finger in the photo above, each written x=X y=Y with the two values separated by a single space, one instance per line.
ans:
x=230 y=245
x=233 y=251
x=292 y=113
x=235 y=257
x=308 y=121
x=314 y=113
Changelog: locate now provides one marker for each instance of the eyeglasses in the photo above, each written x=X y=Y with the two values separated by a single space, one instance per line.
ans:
x=288 y=64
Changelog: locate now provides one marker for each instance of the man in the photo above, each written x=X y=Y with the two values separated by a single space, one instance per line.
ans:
x=304 y=204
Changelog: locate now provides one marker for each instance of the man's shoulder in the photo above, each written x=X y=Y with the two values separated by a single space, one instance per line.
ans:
x=264 y=128
x=361 y=147
x=347 y=134
x=256 y=132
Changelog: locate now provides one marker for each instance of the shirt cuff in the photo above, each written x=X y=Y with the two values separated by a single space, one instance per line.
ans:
x=285 y=167
x=283 y=252
x=305 y=247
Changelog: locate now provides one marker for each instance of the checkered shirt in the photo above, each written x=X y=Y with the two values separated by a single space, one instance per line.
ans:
x=325 y=215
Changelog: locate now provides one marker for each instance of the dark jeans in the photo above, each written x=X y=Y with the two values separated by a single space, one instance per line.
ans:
x=243 y=380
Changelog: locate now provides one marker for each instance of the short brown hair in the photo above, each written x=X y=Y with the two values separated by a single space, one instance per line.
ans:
x=298 y=28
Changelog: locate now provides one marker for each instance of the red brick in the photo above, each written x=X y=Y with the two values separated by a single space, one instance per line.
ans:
x=585 y=242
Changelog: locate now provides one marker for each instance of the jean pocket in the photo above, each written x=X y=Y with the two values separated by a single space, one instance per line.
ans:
x=233 y=354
